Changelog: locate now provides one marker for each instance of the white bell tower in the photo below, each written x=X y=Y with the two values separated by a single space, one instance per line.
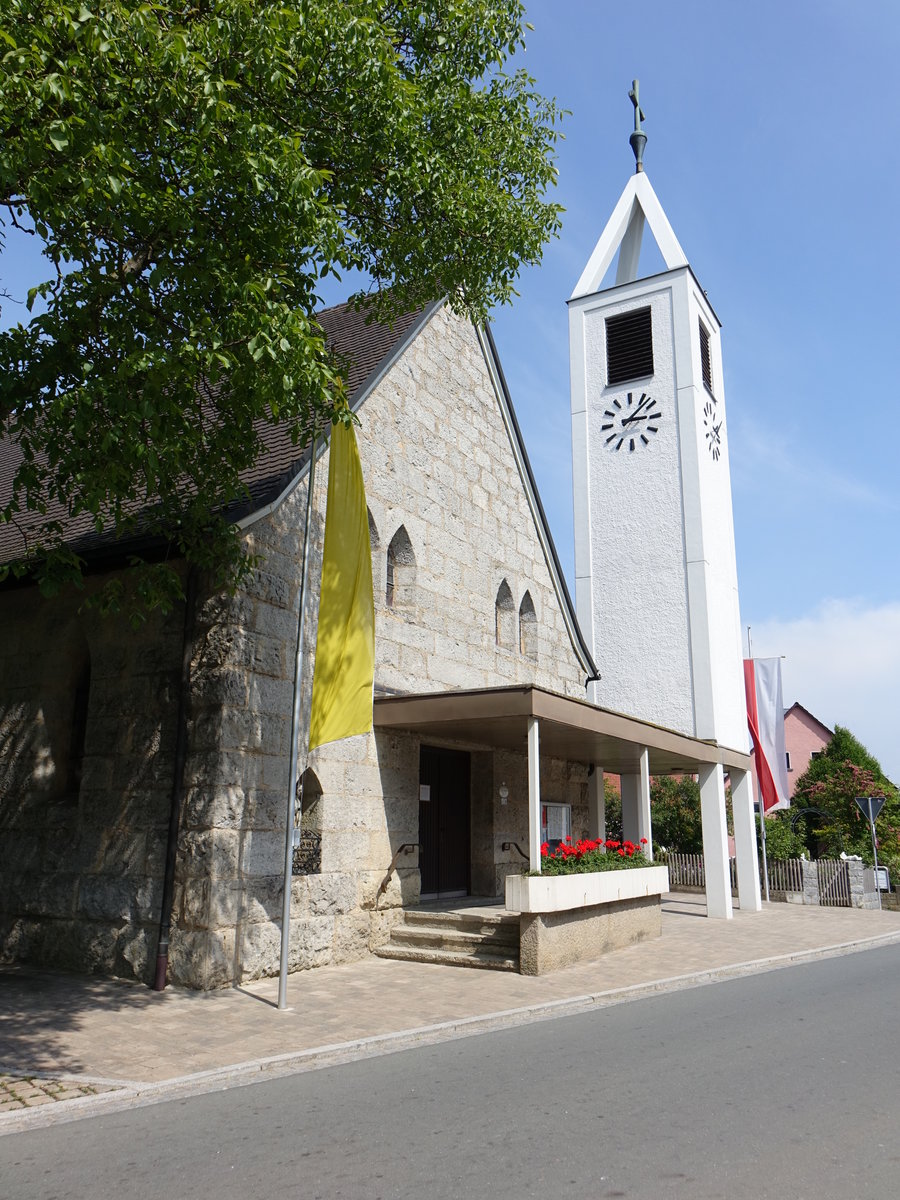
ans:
x=656 y=577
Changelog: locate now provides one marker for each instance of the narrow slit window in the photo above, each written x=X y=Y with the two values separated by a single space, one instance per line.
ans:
x=389 y=584
x=629 y=346
x=705 y=359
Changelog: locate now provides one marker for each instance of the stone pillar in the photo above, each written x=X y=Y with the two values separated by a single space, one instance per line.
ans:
x=715 y=842
x=859 y=897
x=534 y=794
x=745 y=841
x=596 y=804
x=810 y=874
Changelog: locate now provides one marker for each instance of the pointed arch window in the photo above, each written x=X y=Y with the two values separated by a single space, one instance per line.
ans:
x=528 y=627
x=307 y=858
x=373 y=531
x=400 y=571
x=505 y=617
x=374 y=544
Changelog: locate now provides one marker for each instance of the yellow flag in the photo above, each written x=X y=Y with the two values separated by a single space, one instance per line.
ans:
x=345 y=639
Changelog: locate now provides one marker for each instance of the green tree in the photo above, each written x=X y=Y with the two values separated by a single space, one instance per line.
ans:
x=675 y=805
x=831 y=783
x=613 y=802
x=675 y=809
x=782 y=839
x=193 y=171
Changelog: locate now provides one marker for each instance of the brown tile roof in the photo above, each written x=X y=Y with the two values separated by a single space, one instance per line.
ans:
x=363 y=348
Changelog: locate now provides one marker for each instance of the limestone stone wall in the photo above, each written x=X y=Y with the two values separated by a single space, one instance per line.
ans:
x=438 y=463
x=440 y=472
x=87 y=733
x=82 y=860
x=549 y=941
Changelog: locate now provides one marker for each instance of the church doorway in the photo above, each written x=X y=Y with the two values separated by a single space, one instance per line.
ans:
x=444 y=822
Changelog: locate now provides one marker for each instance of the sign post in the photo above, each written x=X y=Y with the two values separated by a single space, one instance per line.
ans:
x=870 y=807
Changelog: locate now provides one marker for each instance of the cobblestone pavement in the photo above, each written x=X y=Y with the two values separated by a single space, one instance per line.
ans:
x=30 y=1091
x=69 y=1037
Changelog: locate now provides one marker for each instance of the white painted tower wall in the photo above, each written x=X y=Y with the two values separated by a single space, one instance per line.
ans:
x=656 y=578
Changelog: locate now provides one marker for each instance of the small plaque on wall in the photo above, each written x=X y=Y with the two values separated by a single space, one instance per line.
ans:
x=424 y=793
x=307 y=858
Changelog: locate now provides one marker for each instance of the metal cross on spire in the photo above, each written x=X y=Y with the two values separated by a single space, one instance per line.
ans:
x=638 y=139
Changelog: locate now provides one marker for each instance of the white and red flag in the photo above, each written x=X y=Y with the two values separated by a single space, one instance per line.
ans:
x=765 y=716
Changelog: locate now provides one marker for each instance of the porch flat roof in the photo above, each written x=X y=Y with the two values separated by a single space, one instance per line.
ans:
x=497 y=718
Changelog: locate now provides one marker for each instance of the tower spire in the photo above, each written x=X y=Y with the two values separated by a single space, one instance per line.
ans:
x=638 y=139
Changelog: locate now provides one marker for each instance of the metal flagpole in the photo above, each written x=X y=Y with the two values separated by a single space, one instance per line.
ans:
x=760 y=801
x=295 y=740
x=874 y=851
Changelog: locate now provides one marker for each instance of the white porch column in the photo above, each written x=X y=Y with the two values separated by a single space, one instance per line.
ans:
x=715 y=842
x=534 y=794
x=596 y=804
x=644 y=823
x=631 y=807
x=745 y=841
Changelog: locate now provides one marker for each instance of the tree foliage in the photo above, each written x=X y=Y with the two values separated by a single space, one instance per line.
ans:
x=675 y=810
x=194 y=171
x=831 y=783
x=783 y=841
x=675 y=805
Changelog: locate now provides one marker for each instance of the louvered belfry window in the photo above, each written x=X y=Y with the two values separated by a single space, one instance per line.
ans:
x=629 y=346
x=705 y=360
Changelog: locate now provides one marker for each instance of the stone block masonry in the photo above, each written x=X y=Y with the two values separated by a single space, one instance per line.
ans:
x=549 y=941
x=84 y=808
x=84 y=795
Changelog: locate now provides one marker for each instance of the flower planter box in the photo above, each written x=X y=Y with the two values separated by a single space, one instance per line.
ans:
x=568 y=919
x=559 y=893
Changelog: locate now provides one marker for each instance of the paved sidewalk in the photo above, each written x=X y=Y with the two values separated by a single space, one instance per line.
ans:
x=99 y=1044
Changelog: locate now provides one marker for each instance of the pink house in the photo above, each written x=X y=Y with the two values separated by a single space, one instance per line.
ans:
x=804 y=737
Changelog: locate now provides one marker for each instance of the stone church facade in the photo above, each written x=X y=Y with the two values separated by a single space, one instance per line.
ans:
x=103 y=729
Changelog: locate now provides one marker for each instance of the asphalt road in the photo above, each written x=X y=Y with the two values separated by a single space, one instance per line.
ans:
x=785 y=1084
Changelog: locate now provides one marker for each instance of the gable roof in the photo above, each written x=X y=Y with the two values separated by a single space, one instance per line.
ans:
x=362 y=347
x=368 y=349
x=504 y=400
x=812 y=717
x=520 y=454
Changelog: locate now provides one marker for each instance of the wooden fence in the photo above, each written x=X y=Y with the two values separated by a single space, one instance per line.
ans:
x=687 y=871
x=834 y=882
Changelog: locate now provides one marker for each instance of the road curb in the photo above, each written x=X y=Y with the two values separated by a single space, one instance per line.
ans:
x=131 y=1094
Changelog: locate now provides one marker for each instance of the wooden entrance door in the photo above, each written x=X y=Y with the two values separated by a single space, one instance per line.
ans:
x=444 y=822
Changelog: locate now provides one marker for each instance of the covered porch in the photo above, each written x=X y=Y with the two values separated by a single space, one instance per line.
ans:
x=544 y=724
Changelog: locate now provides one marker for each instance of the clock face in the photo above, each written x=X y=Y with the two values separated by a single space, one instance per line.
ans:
x=712 y=428
x=630 y=424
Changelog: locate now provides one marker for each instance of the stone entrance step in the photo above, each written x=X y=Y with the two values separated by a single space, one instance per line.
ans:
x=457 y=939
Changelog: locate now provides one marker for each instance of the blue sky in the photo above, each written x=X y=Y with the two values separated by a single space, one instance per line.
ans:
x=774 y=147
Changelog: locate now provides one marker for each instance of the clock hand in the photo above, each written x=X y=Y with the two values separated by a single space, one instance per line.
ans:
x=629 y=420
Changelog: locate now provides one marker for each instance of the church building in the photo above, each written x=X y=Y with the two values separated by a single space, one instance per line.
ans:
x=129 y=758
